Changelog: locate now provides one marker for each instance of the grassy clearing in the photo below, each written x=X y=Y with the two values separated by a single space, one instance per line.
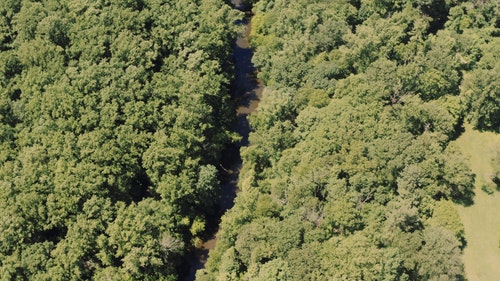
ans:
x=482 y=219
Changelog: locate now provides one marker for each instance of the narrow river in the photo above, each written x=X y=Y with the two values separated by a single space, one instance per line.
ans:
x=246 y=92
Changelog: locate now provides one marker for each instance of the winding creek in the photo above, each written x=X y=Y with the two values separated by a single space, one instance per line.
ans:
x=246 y=92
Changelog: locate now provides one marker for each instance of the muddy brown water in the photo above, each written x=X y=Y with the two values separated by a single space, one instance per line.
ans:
x=246 y=92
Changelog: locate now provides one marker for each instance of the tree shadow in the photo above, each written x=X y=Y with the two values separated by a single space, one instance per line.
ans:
x=466 y=198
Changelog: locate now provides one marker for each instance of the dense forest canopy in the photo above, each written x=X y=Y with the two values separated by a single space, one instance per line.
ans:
x=351 y=173
x=113 y=116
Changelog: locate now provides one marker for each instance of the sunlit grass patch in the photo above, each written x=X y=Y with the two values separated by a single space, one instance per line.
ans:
x=481 y=220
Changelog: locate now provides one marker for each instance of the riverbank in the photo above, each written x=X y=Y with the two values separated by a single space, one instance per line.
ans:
x=246 y=92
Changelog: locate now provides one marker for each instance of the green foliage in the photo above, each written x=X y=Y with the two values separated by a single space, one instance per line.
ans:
x=113 y=116
x=446 y=216
x=482 y=92
x=138 y=242
x=444 y=249
x=351 y=141
x=478 y=24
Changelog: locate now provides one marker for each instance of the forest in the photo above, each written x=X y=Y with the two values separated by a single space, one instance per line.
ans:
x=352 y=172
x=115 y=115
